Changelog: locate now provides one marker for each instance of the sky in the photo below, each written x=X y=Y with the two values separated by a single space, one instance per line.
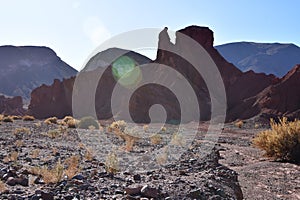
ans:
x=74 y=28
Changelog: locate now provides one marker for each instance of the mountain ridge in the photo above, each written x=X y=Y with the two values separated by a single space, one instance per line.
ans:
x=24 y=68
x=270 y=58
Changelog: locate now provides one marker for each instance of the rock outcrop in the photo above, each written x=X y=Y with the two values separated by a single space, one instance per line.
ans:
x=11 y=106
x=248 y=93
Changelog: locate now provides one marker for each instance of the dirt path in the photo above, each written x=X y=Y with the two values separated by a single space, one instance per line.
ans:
x=259 y=177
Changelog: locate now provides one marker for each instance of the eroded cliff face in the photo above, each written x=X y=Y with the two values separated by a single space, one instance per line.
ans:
x=11 y=105
x=248 y=94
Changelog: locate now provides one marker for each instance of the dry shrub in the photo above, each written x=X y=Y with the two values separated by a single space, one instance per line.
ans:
x=28 y=118
x=7 y=119
x=19 y=143
x=112 y=163
x=89 y=154
x=162 y=158
x=73 y=123
x=178 y=139
x=87 y=122
x=155 y=139
x=35 y=153
x=3 y=187
x=51 y=120
x=118 y=125
x=16 y=117
x=72 y=166
x=53 y=175
x=12 y=157
x=54 y=133
x=146 y=127
x=282 y=141
x=1 y=117
x=67 y=118
x=21 y=131
x=163 y=129
x=239 y=124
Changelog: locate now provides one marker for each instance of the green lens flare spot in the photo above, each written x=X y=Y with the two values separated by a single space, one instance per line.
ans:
x=126 y=71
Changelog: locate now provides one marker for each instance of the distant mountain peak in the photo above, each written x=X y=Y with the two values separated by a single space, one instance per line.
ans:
x=269 y=58
x=24 y=68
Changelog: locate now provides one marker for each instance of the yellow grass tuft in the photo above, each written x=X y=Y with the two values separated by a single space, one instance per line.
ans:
x=239 y=124
x=282 y=141
x=155 y=139
x=28 y=118
x=8 y=119
x=51 y=120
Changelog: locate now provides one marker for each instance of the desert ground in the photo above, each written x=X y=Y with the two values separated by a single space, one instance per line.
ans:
x=51 y=161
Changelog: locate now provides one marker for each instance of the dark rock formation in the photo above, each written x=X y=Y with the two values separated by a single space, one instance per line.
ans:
x=11 y=106
x=24 y=68
x=55 y=100
x=248 y=94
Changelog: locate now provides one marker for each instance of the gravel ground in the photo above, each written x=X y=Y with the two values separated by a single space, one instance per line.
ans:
x=192 y=175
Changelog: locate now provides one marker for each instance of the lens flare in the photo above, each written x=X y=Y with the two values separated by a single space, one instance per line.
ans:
x=126 y=71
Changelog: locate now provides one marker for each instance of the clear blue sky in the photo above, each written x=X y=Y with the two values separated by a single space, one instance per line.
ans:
x=74 y=28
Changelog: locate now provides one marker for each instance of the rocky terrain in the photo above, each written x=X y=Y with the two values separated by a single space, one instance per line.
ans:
x=269 y=58
x=259 y=177
x=190 y=177
x=24 y=68
x=233 y=169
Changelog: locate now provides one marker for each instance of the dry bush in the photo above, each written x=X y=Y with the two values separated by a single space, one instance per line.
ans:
x=112 y=163
x=131 y=136
x=1 y=117
x=7 y=119
x=89 y=154
x=282 y=141
x=87 y=122
x=51 y=120
x=16 y=117
x=155 y=139
x=178 y=139
x=54 y=175
x=72 y=166
x=21 y=131
x=72 y=123
x=28 y=118
x=118 y=125
x=54 y=133
x=35 y=153
x=19 y=143
x=162 y=158
x=239 y=124
x=67 y=118
x=163 y=129
x=146 y=128
x=3 y=187
x=12 y=157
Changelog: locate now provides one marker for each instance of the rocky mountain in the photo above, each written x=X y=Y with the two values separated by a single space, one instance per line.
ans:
x=248 y=93
x=269 y=58
x=25 y=68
